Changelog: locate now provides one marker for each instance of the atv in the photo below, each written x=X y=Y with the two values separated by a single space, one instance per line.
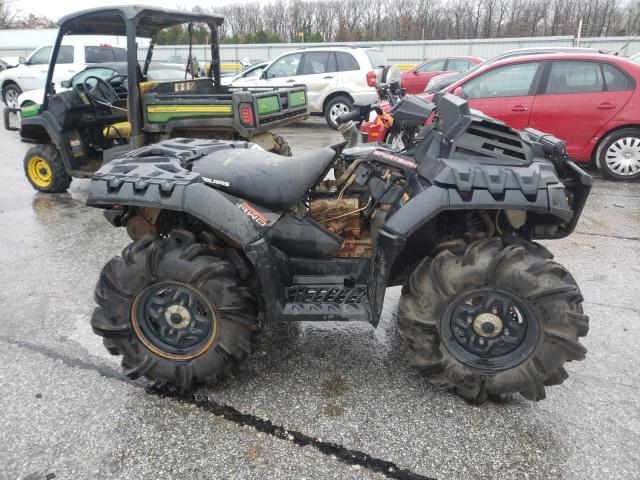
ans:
x=228 y=236
x=99 y=118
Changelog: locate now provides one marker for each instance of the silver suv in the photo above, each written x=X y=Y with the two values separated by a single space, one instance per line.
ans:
x=336 y=77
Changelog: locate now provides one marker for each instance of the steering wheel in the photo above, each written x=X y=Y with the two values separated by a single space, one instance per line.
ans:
x=101 y=92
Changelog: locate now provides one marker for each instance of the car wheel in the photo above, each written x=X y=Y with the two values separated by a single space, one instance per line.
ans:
x=335 y=107
x=618 y=156
x=10 y=95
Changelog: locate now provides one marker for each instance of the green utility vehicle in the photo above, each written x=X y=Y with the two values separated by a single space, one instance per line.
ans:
x=83 y=126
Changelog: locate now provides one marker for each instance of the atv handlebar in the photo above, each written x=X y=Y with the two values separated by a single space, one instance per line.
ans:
x=354 y=115
x=359 y=113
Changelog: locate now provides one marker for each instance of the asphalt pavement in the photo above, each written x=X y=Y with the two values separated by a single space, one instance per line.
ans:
x=327 y=400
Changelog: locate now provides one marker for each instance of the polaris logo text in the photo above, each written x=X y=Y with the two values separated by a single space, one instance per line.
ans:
x=214 y=181
x=253 y=214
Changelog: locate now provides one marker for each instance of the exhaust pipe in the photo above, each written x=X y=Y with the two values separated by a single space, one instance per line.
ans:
x=350 y=133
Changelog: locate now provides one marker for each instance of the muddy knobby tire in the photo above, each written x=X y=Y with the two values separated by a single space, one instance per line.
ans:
x=203 y=268
x=522 y=269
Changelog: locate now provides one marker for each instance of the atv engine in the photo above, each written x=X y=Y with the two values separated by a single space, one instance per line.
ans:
x=342 y=217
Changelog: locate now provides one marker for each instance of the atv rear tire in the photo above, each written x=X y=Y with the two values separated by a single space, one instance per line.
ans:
x=280 y=145
x=506 y=297
x=176 y=310
x=44 y=169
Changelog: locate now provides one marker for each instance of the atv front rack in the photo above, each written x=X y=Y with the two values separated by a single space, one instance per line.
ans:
x=575 y=179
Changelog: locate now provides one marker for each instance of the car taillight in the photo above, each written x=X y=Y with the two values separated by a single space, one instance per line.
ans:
x=246 y=115
x=371 y=78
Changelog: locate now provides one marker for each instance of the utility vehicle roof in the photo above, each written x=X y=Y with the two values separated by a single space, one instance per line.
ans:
x=109 y=20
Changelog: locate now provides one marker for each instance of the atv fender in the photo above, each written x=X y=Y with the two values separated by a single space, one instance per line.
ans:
x=141 y=185
x=434 y=200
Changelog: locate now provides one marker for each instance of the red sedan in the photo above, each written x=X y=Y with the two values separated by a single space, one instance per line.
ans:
x=416 y=79
x=591 y=101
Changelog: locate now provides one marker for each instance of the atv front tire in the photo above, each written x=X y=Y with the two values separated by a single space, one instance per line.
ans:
x=44 y=169
x=493 y=318
x=177 y=311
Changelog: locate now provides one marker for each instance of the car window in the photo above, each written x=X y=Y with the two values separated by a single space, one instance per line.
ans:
x=286 y=66
x=508 y=81
x=65 y=54
x=458 y=64
x=615 y=80
x=315 y=63
x=99 y=54
x=346 y=62
x=253 y=72
x=120 y=54
x=377 y=59
x=104 y=73
x=434 y=66
x=574 y=77
x=41 y=56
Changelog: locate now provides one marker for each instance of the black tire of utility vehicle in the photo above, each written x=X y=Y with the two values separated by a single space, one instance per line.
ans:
x=280 y=145
x=44 y=169
x=526 y=272
x=335 y=101
x=10 y=94
x=619 y=136
x=201 y=268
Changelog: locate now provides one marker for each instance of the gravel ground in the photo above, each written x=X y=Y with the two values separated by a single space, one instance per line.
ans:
x=317 y=400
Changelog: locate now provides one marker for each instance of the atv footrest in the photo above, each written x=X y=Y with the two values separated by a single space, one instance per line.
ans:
x=314 y=299
x=317 y=312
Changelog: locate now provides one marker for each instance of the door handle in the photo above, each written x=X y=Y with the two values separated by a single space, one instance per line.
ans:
x=328 y=77
x=291 y=80
x=519 y=108
x=605 y=106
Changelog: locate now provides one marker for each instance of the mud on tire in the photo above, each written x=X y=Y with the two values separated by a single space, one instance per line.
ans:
x=523 y=271
x=203 y=269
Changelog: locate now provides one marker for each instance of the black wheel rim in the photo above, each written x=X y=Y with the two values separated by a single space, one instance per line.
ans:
x=489 y=330
x=173 y=320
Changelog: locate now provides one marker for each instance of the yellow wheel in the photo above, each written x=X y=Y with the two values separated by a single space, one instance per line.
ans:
x=44 y=169
x=39 y=171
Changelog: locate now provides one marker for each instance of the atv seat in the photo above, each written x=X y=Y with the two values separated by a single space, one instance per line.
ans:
x=262 y=177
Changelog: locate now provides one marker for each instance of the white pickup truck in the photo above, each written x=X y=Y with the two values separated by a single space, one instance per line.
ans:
x=73 y=57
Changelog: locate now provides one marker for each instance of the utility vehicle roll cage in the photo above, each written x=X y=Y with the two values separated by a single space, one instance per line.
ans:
x=132 y=22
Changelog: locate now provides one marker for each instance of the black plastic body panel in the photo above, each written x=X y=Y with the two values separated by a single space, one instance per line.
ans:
x=411 y=111
x=303 y=237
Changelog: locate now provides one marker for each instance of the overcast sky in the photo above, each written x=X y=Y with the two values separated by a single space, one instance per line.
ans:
x=56 y=9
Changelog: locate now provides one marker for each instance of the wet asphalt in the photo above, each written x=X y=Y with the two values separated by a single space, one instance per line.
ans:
x=317 y=400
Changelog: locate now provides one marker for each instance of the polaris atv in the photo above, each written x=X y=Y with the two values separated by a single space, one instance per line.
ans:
x=228 y=236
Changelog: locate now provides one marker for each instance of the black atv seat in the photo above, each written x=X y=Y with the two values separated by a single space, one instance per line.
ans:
x=263 y=177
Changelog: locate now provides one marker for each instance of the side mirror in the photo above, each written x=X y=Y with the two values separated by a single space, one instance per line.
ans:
x=458 y=92
x=66 y=83
x=415 y=72
x=22 y=60
x=263 y=75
